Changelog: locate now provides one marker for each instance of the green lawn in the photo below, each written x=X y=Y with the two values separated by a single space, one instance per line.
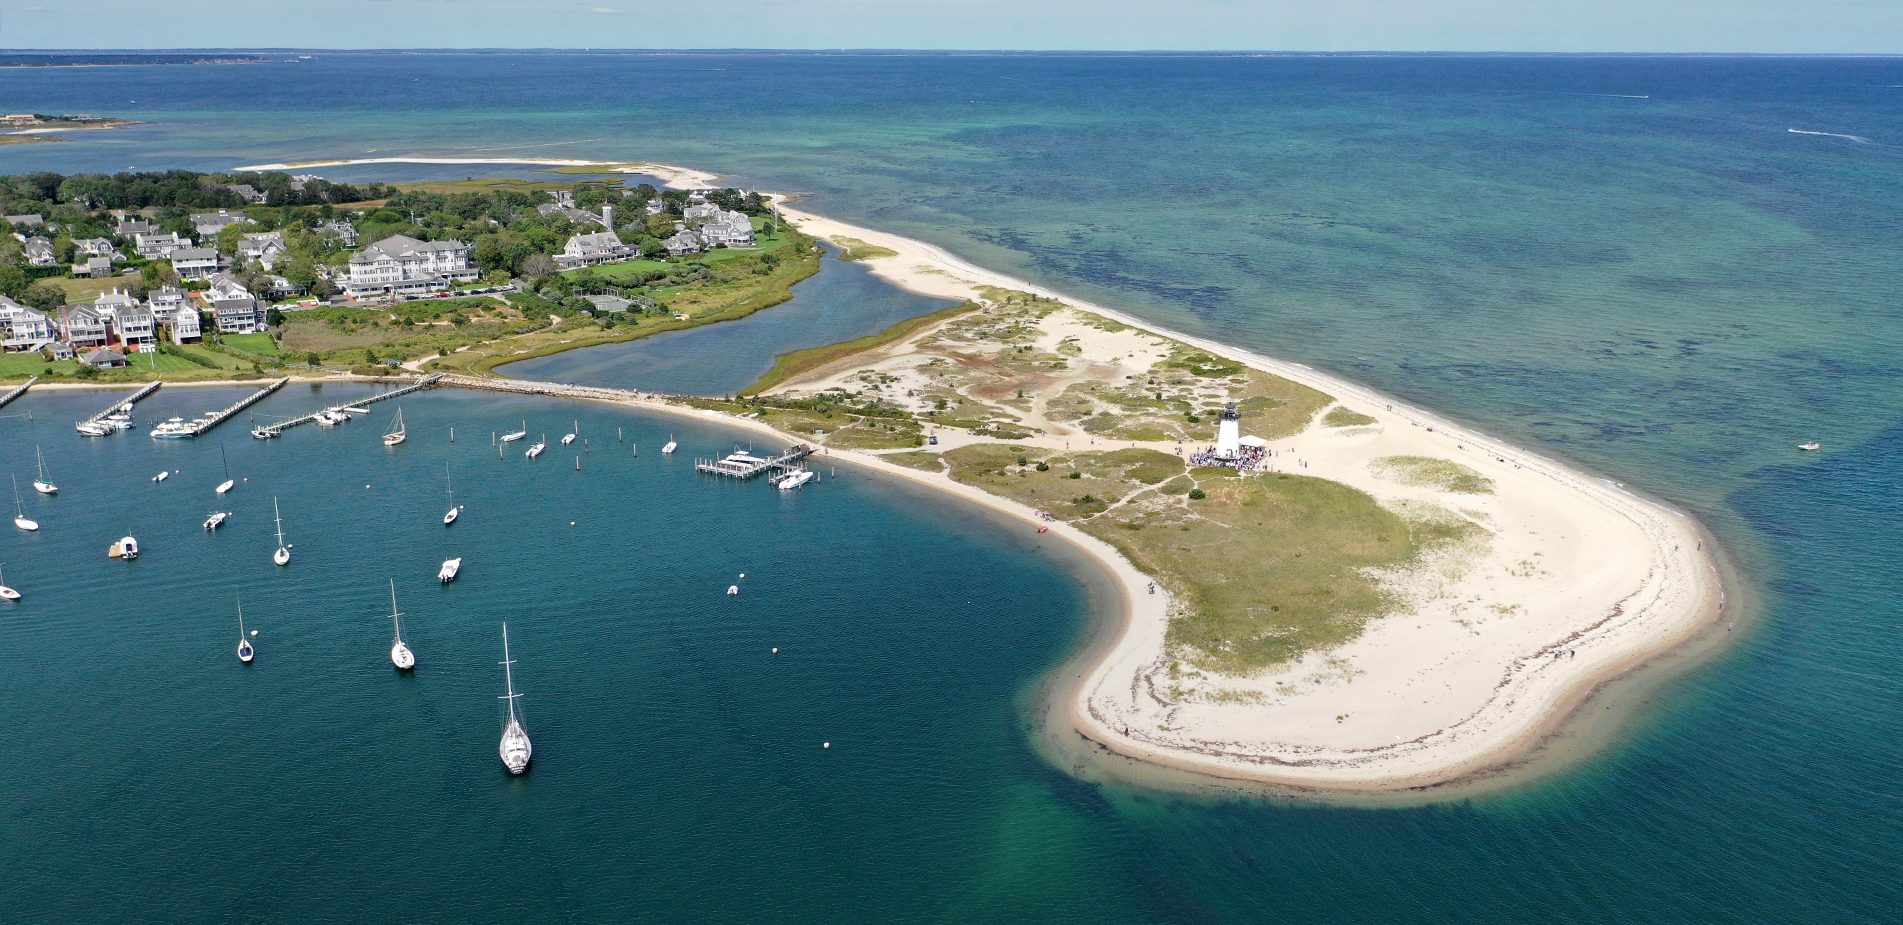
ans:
x=220 y=360
x=260 y=343
x=22 y=365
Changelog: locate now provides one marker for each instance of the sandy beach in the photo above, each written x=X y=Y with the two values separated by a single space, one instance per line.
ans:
x=1575 y=581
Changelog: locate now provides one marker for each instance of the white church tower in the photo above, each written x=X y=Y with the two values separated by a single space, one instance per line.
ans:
x=1229 y=433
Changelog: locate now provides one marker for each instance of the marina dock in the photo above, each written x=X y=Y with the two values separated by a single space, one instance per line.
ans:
x=16 y=393
x=282 y=426
x=120 y=403
x=203 y=425
x=744 y=465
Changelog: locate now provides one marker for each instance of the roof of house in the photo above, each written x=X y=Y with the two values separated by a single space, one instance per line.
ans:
x=399 y=246
x=194 y=253
x=102 y=355
x=28 y=220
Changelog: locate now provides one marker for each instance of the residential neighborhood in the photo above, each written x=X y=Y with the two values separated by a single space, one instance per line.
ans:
x=173 y=258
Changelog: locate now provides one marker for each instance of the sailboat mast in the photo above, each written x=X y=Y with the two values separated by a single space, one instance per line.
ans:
x=395 y=618
x=508 y=674
x=279 y=517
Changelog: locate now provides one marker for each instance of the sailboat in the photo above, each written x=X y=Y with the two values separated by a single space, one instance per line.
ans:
x=515 y=748
x=283 y=555
x=666 y=450
x=400 y=654
x=245 y=652
x=516 y=435
x=6 y=593
x=19 y=512
x=450 y=492
x=570 y=437
x=40 y=484
x=226 y=485
x=397 y=434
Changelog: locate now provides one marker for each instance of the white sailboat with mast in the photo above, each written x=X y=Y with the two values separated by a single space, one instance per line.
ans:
x=40 y=484
x=449 y=492
x=19 y=511
x=225 y=486
x=283 y=555
x=245 y=652
x=400 y=654
x=6 y=593
x=396 y=434
x=515 y=748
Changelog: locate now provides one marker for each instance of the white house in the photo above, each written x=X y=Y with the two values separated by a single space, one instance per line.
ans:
x=729 y=228
x=403 y=264
x=95 y=247
x=703 y=210
x=158 y=244
x=264 y=247
x=175 y=309
x=683 y=242
x=248 y=192
x=23 y=328
x=343 y=231
x=238 y=312
x=195 y=262
x=82 y=326
x=39 y=252
x=136 y=326
x=585 y=249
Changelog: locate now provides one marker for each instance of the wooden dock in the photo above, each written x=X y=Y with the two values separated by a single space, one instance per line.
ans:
x=202 y=426
x=427 y=381
x=743 y=465
x=121 y=403
x=16 y=393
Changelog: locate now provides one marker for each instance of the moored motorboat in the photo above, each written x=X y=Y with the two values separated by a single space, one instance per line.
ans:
x=173 y=429
x=670 y=447
x=126 y=549
x=537 y=449
x=162 y=476
x=571 y=435
x=515 y=435
x=92 y=430
x=1810 y=446
x=795 y=479
x=217 y=519
x=263 y=433
x=515 y=748
x=449 y=570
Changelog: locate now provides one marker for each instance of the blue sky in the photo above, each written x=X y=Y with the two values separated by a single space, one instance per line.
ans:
x=1776 y=26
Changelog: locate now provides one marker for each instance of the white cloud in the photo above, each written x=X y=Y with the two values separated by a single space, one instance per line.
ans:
x=603 y=9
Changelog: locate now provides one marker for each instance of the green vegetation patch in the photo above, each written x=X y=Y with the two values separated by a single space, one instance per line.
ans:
x=799 y=362
x=916 y=459
x=1266 y=568
x=1428 y=472
x=855 y=249
x=1342 y=417
x=260 y=344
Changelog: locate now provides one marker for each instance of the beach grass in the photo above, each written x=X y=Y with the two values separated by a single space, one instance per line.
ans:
x=1342 y=417
x=1429 y=472
x=799 y=362
x=916 y=459
x=1265 y=568
x=855 y=249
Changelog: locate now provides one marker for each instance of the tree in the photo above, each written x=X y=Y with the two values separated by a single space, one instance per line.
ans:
x=273 y=317
x=312 y=358
x=653 y=248
x=539 y=266
x=13 y=281
x=43 y=296
x=63 y=249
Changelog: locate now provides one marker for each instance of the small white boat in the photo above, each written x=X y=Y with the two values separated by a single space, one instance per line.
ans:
x=40 y=484
x=1810 y=446
x=225 y=486
x=6 y=593
x=516 y=435
x=172 y=429
x=400 y=654
x=515 y=748
x=570 y=437
x=670 y=447
x=93 y=430
x=733 y=589
x=396 y=433
x=127 y=549
x=263 y=433
x=217 y=519
x=536 y=450
x=794 y=480
x=19 y=511
x=355 y=410
x=449 y=570
x=245 y=652
x=162 y=476
x=449 y=492
x=283 y=555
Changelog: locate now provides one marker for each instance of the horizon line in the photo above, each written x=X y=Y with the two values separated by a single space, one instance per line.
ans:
x=902 y=52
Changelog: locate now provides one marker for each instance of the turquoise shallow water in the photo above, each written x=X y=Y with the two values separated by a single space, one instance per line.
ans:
x=1673 y=290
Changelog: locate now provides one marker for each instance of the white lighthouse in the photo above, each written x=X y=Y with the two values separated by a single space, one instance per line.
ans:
x=1229 y=433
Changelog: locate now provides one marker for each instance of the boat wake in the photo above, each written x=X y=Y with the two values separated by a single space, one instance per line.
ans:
x=1856 y=138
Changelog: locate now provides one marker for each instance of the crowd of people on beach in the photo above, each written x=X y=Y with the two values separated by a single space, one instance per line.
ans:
x=1247 y=459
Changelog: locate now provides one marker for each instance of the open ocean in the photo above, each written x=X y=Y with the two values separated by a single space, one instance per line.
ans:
x=1631 y=262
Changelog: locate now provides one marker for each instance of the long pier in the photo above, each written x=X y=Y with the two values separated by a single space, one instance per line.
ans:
x=527 y=387
x=121 y=403
x=745 y=465
x=16 y=393
x=203 y=425
x=426 y=382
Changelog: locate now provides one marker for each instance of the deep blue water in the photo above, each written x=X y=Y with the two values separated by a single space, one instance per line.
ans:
x=1631 y=261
